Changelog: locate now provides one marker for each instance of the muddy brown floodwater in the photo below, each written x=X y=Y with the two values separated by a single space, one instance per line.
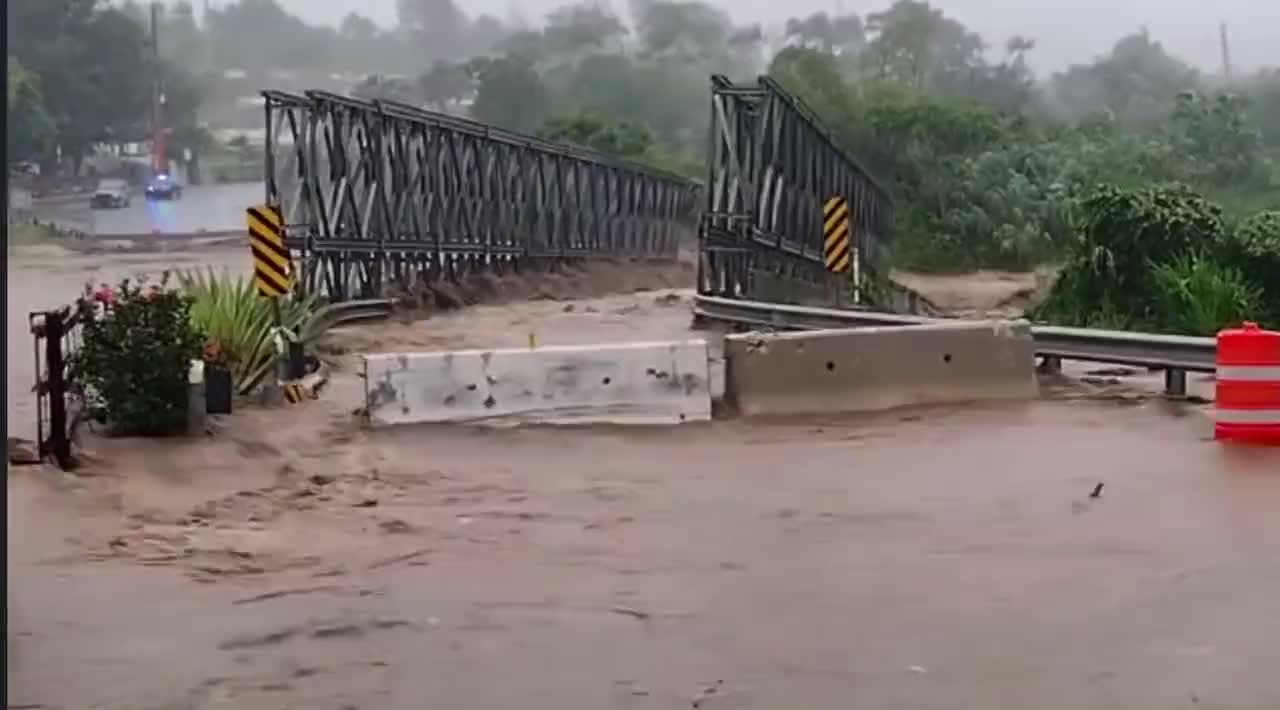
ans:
x=936 y=558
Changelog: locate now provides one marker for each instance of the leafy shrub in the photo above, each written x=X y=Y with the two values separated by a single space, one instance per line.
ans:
x=239 y=323
x=1197 y=296
x=1254 y=249
x=138 y=343
x=1125 y=237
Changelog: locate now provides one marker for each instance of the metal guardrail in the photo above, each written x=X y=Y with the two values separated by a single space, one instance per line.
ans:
x=1176 y=355
x=1125 y=348
x=781 y=316
x=346 y=313
x=337 y=314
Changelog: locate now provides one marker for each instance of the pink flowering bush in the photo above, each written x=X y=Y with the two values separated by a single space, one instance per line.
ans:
x=137 y=346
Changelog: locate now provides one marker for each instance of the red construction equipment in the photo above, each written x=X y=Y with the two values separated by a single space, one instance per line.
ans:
x=1248 y=386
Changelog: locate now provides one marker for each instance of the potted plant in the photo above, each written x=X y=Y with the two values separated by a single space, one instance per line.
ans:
x=217 y=379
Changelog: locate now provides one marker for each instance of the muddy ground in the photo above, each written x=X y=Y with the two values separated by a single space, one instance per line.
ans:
x=984 y=294
x=939 y=558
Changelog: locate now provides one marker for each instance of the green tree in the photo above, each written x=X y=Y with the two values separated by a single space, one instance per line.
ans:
x=363 y=46
x=584 y=27
x=31 y=131
x=437 y=28
x=681 y=31
x=443 y=83
x=181 y=40
x=509 y=94
x=591 y=131
x=384 y=88
x=1215 y=133
x=528 y=46
x=91 y=61
x=1255 y=250
x=1263 y=90
x=183 y=97
x=834 y=35
x=670 y=101
x=1125 y=236
x=260 y=33
x=1137 y=83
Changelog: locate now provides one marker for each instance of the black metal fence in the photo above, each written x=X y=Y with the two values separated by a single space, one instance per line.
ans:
x=773 y=165
x=376 y=192
x=59 y=404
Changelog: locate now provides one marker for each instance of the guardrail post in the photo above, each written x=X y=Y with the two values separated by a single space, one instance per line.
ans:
x=1175 y=383
x=1050 y=365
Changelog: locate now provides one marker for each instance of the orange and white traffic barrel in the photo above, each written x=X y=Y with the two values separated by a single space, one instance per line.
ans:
x=1248 y=385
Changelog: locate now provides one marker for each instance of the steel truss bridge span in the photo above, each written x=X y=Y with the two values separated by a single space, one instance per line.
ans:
x=377 y=192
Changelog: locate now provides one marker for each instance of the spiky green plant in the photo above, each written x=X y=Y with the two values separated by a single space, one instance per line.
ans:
x=1197 y=296
x=239 y=323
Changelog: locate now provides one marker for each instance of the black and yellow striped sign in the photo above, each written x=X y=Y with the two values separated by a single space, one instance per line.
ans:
x=295 y=393
x=835 y=234
x=272 y=268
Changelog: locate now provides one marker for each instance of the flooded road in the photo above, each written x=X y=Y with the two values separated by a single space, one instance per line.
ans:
x=942 y=559
x=937 y=558
x=211 y=208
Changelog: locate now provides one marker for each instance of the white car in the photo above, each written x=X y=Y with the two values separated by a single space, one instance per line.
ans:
x=111 y=193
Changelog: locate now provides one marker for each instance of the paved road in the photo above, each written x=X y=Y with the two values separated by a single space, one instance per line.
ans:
x=213 y=208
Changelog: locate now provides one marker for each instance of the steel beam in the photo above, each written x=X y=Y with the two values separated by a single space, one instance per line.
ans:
x=375 y=193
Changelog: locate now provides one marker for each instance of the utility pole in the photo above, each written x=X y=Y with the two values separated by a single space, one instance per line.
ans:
x=1226 y=52
x=159 y=163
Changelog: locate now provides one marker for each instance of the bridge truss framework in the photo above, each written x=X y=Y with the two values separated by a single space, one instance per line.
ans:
x=376 y=192
x=772 y=166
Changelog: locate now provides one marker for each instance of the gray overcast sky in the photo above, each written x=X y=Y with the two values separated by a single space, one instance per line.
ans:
x=1066 y=31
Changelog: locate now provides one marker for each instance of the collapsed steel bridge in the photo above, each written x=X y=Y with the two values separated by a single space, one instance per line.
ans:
x=773 y=164
x=377 y=192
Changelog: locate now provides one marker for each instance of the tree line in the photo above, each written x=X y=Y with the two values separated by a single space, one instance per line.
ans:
x=81 y=73
x=587 y=69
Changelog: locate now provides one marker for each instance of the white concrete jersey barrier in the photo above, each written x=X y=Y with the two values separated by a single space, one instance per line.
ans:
x=632 y=383
x=871 y=369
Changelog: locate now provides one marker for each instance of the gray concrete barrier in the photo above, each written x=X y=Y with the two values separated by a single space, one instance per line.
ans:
x=871 y=369
x=630 y=383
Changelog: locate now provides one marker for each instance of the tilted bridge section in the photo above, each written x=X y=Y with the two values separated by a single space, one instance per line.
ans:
x=773 y=165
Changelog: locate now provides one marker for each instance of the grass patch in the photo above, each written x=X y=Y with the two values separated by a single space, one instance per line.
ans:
x=18 y=235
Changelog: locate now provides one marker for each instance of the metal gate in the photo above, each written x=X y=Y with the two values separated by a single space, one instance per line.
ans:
x=59 y=401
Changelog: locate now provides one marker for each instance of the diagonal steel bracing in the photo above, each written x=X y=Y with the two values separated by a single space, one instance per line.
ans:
x=772 y=166
x=375 y=193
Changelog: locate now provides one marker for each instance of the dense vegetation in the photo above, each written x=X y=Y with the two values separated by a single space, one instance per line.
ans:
x=239 y=326
x=991 y=166
x=1166 y=258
